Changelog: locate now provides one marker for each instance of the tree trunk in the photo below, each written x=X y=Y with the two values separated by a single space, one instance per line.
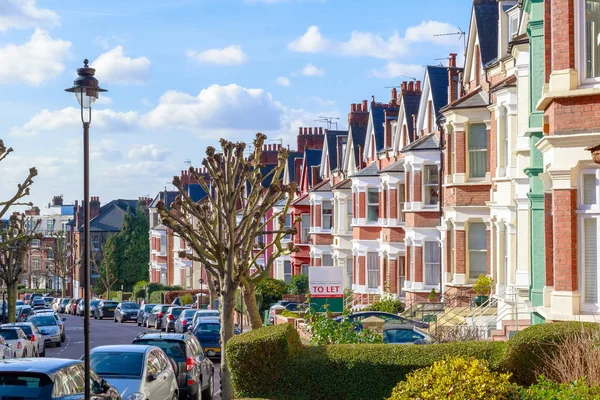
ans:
x=63 y=281
x=252 y=306
x=227 y=307
x=12 y=301
x=212 y=292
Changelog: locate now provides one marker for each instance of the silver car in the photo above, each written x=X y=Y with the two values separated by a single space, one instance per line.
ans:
x=5 y=349
x=48 y=325
x=34 y=335
x=59 y=320
x=204 y=313
x=20 y=345
x=138 y=372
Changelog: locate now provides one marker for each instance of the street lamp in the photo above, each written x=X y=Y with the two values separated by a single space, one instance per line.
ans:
x=200 y=281
x=86 y=91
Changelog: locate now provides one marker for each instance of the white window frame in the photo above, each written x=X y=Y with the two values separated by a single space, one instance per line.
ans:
x=304 y=269
x=587 y=306
x=468 y=153
x=304 y=234
x=349 y=272
x=348 y=217
x=287 y=276
x=401 y=202
x=435 y=264
x=372 y=271
x=371 y=189
x=330 y=215
x=427 y=184
x=357 y=205
x=589 y=207
x=580 y=56
x=469 y=250
x=329 y=264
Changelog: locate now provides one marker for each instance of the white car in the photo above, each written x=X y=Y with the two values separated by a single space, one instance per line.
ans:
x=5 y=350
x=19 y=343
x=33 y=334
x=48 y=325
x=137 y=371
x=59 y=320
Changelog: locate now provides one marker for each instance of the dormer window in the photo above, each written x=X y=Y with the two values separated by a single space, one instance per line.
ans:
x=513 y=26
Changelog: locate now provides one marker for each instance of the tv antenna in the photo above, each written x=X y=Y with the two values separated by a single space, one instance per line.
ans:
x=188 y=162
x=329 y=121
x=460 y=34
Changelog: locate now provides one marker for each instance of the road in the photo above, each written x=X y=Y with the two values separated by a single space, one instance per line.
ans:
x=102 y=332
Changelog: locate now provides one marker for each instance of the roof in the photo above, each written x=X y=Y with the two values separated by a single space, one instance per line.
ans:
x=291 y=165
x=331 y=137
x=170 y=197
x=410 y=102
x=324 y=186
x=129 y=348
x=370 y=170
x=398 y=166
x=378 y=116
x=358 y=133
x=301 y=201
x=474 y=99
x=312 y=158
x=195 y=190
x=438 y=82
x=426 y=142
x=345 y=184
x=265 y=171
x=110 y=218
x=37 y=365
x=486 y=18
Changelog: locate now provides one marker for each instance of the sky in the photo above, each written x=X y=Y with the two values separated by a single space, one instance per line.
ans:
x=181 y=74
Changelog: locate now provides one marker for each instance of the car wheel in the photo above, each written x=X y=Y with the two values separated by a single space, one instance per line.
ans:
x=207 y=394
x=100 y=316
x=115 y=319
x=156 y=325
x=62 y=339
x=59 y=344
x=43 y=353
x=175 y=397
x=25 y=353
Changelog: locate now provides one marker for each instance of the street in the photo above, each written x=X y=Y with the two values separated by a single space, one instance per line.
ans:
x=102 y=332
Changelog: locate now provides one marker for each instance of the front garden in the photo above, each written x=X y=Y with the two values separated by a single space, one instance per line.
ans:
x=551 y=361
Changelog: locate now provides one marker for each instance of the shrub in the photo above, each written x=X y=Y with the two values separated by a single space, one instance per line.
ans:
x=387 y=304
x=140 y=294
x=292 y=314
x=529 y=350
x=186 y=299
x=156 y=297
x=344 y=371
x=328 y=331
x=257 y=359
x=299 y=284
x=548 y=390
x=456 y=378
x=171 y=295
x=272 y=290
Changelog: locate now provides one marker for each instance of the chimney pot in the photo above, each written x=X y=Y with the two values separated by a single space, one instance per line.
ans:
x=365 y=105
x=452 y=60
x=299 y=131
x=418 y=86
x=320 y=130
x=403 y=87
x=316 y=130
x=411 y=86
x=310 y=131
x=394 y=94
x=352 y=107
x=306 y=131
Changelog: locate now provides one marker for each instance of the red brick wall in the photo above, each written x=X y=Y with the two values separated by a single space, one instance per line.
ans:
x=393 y=201
x=361 y=269
x=366 y=232
x=460 y=247
x=317 y=216
x=465 y=195
x=459 y=152
x=316 y=261
x=353 y=206
x=393 y=275
x=418 y=253
x=392 y=234
x=417 y=186
x=422 y=219
x=563 y=34
x=449 y=254
x=564 y=205
x=548 y=229
x=362 y=205
x=407 y=263
x=574 y=115
x=382 y=203
x=321 y=239
x=547 y=40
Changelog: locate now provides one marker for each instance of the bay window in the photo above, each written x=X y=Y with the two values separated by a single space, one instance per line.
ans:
x=589 y=200
x=372 y=205
x=431 y=188
x=477 y=244
x=431 y=260
x=349 y=272
x=477 y=145
x=304 y=269
x=372 y=271
x=288 y=225
x=401 y=200
x=591 y=15
x=327 y=214
x=326 y=260
x=287 y=271
x=304 y=228
x=349 y=214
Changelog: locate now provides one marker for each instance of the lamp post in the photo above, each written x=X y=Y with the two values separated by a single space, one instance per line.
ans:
x=86 y=90
x=201 y=282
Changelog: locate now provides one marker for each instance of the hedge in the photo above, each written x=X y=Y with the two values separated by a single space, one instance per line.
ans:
x=171 y=295
x=270 y=362
x=529 y=350
x=156 y=297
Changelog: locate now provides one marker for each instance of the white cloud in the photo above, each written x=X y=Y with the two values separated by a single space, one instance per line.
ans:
x=311 y=42
x=397 y=70
x=114 y=67
x=34 y=62
x=283 y=81
x=146 y=102
x=366 y=44
x=106 y=149
x=216 y=109
x=311 y=70
x=23 y=14
x=69 y=118
x=230 y=55
x=104 y=100
x=151 y=152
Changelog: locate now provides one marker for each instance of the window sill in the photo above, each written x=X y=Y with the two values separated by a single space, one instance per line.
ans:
x=585 y=90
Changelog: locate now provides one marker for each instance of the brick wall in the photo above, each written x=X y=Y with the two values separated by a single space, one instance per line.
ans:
x=366 y=232
x=417 y=186
x=393 y=202
x=564 y=205
x=317 y=215
x=562 y=34
x=418 y=254
x=321 y=239
x=392 y=234
x=547 y=40
x=460 y=247
x=574 y=115
x=548 y=238
x=392 y=275
x=422 y=219
x=362 y=212
x=408 y=257
x=459 y=152
x=361 y=269
x=467 y=195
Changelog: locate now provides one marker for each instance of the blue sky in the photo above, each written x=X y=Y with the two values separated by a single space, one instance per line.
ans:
x=182 y=73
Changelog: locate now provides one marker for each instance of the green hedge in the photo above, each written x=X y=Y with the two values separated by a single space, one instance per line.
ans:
x=156 y=297
x=271 y=363
x=257 y=358
x=529 y=349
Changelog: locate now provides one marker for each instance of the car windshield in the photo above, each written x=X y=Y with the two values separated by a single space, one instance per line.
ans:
x=401 y=336
x=177 y=311
x=209 y=327
x=65 y=301
x=189 y=313
x=117 y=363
x=23 y=385
x=9 y=334
x=94 y=302
x=164 y=308
x=43 y=320
x=110 y=304
x=173 y=348
x=130 y=306
x=26 y=328
x=149 y=307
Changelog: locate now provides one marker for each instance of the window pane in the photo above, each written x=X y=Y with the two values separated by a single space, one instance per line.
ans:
x=326 y=260
x=431 y=175
x=287 y=267
x=589 y=189
x=432 y=263
x=372 y=271
x=431 y=185
x=590 y=232
x=477 y=236
x=373 y=196
x=477 y=264
x=304 y=269
x=477 y=150
x=592 y=29
x=327 y=214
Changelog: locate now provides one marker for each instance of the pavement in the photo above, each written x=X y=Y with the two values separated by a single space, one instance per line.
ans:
x=103 y=332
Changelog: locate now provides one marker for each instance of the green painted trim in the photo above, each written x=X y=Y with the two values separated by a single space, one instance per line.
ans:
x=533 y=171
x=537 y=319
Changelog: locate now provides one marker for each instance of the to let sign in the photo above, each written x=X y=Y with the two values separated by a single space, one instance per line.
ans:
x=326 y=282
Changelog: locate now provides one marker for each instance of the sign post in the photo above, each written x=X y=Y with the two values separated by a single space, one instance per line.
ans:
x=326 y=289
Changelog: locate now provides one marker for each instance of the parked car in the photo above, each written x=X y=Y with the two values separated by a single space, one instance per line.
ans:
x=59 y=320
x=143 y=314
x=204 y=313
x=405 y=334
x=105 y=309
x=196 y=372
x=271 y=318
x=44 y=379
x=19 y=343
x=48 y=300
x=34 y=335
x=73 y=306
x=387 y=317
x=184 y=321
x=49 y=327
x=137 y=372
x=5 y=349
x=126 y=311
x=167 y=322
x=208 y=333
x=37 y=301
x=23 y=312
x=63 y=305
x=81 y=307
x=155 y=316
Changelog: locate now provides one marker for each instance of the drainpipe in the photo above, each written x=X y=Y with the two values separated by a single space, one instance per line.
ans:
x=440 y=121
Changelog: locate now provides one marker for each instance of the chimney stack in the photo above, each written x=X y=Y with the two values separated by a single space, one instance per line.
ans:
x=403 y=87
x=418 y=86
x=453 y=79
x=411 y=86
x=320 y=130
x=299 y=131
x=306 y=131
x=94 y=207
x=452 y=60
x=57 y=201
x=394 y=94
x=353 y=107
x=365 y=106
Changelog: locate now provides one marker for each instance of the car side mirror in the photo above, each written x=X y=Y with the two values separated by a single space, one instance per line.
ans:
x=151 y=378
x=29 y=337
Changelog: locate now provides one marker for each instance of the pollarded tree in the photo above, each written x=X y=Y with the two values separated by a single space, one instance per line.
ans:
x=108 y=268
x=62 y=249
x=222 y=229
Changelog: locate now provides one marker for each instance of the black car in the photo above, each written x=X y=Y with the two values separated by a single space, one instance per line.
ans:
x=105 y=309
x=154 y=318
x=143 y=314
x=167 y=323
x=44 y=379
x=195 y=371
x=126 y=311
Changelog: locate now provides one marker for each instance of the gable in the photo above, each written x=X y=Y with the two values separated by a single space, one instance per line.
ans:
x=435 y=93
x=110 y=220
x=484 y=15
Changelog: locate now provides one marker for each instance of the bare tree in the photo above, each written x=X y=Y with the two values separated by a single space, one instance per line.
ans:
x=62 y=249
x=15 y=239
x=222 y=230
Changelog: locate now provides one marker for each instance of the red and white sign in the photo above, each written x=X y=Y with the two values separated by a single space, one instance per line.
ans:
x=326 y=281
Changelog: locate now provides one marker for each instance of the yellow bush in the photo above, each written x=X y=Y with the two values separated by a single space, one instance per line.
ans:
x=456 y=378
